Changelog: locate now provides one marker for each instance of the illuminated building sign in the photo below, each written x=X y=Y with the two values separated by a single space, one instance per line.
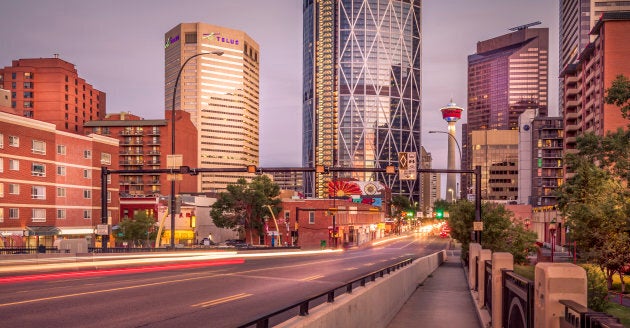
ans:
x=217 y=36
x=170 y=41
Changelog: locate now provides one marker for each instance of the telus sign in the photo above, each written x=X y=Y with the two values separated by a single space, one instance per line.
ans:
x=217 y=36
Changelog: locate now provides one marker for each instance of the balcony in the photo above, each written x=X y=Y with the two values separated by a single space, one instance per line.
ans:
x=130 y=133
x=154 y=142
x=131 y=163
x=156 y=162
x=155 y=182
x=124 y=152
x=154 y=133
x=132 y=142
x=154 y=152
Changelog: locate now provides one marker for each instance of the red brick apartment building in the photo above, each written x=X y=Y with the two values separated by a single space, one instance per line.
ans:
x=50 y=90
x=50 y=186
x=585 y=83
x=144 y=145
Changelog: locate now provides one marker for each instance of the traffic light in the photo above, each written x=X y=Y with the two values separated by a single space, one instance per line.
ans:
x=439 y=214
x=410 y=214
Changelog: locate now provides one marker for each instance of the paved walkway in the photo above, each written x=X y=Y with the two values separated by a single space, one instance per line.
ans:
x=443 y=300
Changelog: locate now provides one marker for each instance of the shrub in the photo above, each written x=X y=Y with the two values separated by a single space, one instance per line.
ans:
x=596 y=288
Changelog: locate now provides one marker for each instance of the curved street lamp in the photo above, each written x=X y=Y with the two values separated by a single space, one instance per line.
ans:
x=179 y=74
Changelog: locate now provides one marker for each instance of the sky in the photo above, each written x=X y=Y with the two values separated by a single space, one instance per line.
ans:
x=117 y=47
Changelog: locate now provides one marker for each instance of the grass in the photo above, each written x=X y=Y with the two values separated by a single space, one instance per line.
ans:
x=621 y=312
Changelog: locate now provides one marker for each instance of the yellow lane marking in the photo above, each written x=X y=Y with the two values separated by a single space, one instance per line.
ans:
x=222 y=300
x=96 y=292
x=312 y=277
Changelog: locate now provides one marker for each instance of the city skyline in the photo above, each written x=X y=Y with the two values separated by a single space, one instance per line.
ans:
x=120 y=51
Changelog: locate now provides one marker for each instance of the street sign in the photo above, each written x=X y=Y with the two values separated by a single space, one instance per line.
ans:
x=477 y=226
x=102 y=229
x=407 y=166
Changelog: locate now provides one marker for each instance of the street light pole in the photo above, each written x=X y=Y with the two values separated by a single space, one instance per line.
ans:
x=179 y=74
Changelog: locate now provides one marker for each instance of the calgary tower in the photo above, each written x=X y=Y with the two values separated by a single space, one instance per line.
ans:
x=451 y=113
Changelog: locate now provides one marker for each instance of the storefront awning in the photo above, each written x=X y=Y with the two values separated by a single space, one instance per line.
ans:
x=42 y=231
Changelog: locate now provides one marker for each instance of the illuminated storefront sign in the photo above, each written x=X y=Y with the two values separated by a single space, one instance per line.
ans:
x=170 y=41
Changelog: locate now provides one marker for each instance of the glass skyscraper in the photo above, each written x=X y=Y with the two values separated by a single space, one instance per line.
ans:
x=362 y=89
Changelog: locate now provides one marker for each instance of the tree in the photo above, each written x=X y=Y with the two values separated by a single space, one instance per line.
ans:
x=619 y=94
x=400 y=204
x=242 y=207
x=596 y=202
x=500 y=233
x=138 y=231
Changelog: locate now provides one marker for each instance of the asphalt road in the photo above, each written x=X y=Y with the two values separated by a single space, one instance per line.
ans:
x=213 y=293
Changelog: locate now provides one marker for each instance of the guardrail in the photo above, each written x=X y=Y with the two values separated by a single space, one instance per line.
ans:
x=578 y=316
x=305 y=305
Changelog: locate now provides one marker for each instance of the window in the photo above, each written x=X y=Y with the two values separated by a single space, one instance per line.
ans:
x=1 y=214
x=109 y=196
x=14 y=165
x=14 y=189
x=87 y=214
x=106 y=158
x=109 y=179
x=28 y=85
x=1 y=165
x=28 y=94
x=61 y=213
x=61 y=170
x=39 y=215
x=14 y=141
x=87 y=174
x=14 y=213
x=1 y=189
x=28 y=75
x=61 y=149
x=61 y=192
x=1 y=140
x=28 y=104
x=87 y=154
x=38 y=192
x=39 y=147
x=311 y=217
x=38 y=170
x=87 y=194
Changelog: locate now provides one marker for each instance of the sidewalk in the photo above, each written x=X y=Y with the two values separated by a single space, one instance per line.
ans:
x=442 y=300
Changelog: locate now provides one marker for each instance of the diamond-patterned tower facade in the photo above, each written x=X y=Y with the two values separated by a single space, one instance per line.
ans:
x=362 y=88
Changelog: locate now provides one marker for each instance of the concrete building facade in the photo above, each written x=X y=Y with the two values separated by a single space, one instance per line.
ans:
x=361 y=100
x=51 y=90
x=221 y=94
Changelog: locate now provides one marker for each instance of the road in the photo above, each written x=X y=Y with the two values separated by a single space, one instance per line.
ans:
x=212 y=293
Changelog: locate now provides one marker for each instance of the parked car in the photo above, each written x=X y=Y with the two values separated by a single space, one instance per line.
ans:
x=207 y=242
x=236 y=243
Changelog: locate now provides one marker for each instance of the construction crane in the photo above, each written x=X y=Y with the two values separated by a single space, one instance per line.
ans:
x=522 y=27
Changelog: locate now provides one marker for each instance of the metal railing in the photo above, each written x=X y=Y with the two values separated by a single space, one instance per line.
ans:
x=487 y=296
x=578 y=316
x=305 y=305
x=518 y=300
x=30 y=250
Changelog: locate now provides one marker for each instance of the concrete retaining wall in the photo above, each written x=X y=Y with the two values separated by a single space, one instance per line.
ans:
x=374 y=305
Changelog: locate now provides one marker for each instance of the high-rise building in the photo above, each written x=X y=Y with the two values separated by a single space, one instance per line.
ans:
x=507 y=75
x=496 y=151
x=586 y=81
x=144 y=145
x=577 y=19
x=50 y=90
x=221 y=93
x=540 y=167
x=430 y=183
x=362 y=89
x=451 y=113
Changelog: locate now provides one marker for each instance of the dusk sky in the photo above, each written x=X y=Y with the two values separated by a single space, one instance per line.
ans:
x=117 y=46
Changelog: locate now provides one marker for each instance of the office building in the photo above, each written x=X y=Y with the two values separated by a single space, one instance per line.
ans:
x=221 y=94
x=586 y=81
x=431 y=184
x=361 y=89
x=51 y=90
x=144 y=145
x=506 y=76
x=496 y=151
x=50 y=182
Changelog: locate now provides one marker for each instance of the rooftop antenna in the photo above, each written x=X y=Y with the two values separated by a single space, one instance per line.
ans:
x=522 y=27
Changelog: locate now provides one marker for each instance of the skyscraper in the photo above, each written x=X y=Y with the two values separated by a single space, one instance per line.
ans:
x=221 y=93
x=507 y=75
x=361 y=89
